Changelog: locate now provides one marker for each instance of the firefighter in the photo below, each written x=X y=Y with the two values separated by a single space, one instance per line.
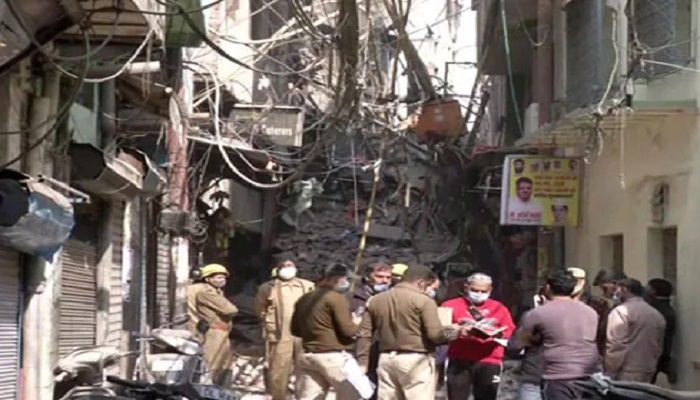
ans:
x=207 y=303
x=274 y=306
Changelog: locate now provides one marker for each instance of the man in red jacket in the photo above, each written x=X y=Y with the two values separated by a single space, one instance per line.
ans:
x=475 y=359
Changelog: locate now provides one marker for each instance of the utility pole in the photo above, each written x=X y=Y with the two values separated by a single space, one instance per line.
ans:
x=176 y=143
x=40 y=319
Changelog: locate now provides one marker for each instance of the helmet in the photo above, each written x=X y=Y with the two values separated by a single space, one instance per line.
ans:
x=399 y=269
x=213 y=269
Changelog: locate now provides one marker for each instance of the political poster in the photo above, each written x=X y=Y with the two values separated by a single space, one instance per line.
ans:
x=540 y=191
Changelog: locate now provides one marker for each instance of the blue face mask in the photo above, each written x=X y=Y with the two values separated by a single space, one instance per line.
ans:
x=431 y=293
x=617 y=300
x=378 y=288
x=342 y=287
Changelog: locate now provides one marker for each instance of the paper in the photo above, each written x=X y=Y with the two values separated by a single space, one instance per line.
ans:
x=357 y=378
x=445 y=315
x=484 y=327
x=502 y=342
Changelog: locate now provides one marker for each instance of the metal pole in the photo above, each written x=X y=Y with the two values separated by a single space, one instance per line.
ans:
x=176 y=142
x=39 y=331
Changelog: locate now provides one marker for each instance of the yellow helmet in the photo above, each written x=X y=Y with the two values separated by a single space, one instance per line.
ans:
x=399 y=269
x=213 y=269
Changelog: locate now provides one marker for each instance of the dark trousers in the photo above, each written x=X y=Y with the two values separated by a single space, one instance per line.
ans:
x=562 y=390
x=469 y=377
x=372 y=366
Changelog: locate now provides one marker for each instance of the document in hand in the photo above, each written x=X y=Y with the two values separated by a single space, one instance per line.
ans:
x=445 y=315
x=482 y=328
x=357 y=378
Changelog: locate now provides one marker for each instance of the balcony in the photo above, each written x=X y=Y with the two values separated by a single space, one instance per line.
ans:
x=519 y=32
x=132 y=20
x=122 y=24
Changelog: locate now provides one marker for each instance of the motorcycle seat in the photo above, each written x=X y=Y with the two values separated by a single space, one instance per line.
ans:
x=653 y=392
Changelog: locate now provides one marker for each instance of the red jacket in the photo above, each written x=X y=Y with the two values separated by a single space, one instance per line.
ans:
x=474 y=348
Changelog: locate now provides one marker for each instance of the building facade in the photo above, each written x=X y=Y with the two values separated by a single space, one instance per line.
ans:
x=619 y=89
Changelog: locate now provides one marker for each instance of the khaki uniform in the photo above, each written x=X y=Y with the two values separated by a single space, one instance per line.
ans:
x=274 y=305
x=323 y=321
x=405 y=322
x=205 y=302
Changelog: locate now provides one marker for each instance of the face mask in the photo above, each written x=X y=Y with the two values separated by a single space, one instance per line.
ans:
x=617 y=300
x=477 y=297
x=342 y=287
x=287 y=273
x=431 y=293
x=378 y=288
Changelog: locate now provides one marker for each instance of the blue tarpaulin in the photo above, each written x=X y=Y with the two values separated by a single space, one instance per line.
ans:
x=46 y=226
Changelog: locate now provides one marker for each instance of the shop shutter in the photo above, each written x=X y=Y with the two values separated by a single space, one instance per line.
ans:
x=163 y=280
x=77 y=303
x=10 y=300
x=114 y=331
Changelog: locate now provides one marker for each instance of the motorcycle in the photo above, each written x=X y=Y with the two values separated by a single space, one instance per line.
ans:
x=81 y=373
x=602 y=387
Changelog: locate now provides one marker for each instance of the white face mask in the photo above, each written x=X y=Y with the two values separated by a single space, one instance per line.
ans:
x=477 y=297
x=287 y=273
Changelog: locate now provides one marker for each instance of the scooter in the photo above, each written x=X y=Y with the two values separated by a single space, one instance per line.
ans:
x=176 y=357
x=81 y=373
x=173 y=356
x=136 y=390
x=602 y=387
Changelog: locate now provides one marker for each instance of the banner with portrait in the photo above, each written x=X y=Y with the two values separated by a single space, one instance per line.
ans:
x=540 y=191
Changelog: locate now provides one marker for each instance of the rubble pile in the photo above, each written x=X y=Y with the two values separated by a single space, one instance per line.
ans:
x=327 y=233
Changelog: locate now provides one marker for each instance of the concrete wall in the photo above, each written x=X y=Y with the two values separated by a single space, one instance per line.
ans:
x=617 y=193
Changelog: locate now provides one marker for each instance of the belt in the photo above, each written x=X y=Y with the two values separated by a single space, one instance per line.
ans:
x=325 y=351
x=220 y=326
x=394 y=352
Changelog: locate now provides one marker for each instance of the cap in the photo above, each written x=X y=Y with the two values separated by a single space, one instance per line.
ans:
x=578 y=273
x=399 y=269
x=214 y=269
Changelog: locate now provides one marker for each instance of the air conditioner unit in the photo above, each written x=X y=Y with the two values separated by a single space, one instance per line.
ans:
x=532 y=119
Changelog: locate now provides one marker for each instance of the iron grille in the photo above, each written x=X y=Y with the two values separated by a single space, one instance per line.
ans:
x=661 y=29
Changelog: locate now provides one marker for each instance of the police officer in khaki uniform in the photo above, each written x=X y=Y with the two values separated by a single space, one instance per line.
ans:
x=274 y=305
x=323 y=321
x=406 y=324
x=206 y=302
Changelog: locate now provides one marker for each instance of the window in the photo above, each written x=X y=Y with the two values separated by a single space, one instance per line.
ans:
x=612 y=252
x=669 y=254
x=662 y=253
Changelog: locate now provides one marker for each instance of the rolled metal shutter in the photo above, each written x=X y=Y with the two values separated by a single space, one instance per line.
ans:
x=78 y=300
x=163 y=280
x=10 y=301
x=114 y=333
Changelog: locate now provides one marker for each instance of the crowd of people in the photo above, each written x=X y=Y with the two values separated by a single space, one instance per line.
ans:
x=408 y=344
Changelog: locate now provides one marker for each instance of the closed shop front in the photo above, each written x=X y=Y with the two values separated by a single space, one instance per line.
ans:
x=78 y=299
x=159 y=280
x=115 y=318
x=10 y=328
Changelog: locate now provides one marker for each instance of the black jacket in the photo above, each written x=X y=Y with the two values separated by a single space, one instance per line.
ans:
x=664 y=307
